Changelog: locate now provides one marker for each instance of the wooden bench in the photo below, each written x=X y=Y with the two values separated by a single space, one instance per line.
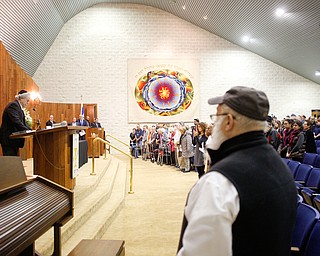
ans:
x=99 y=248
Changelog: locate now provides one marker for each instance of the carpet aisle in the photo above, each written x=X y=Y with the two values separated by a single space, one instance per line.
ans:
x=150 y=221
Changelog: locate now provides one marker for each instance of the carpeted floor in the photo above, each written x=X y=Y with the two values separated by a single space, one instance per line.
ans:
x=150 y=221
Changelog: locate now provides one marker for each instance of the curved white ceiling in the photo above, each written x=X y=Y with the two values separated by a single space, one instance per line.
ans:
x=29 y=27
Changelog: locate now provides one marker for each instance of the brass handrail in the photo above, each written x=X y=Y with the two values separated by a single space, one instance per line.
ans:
x=110 y=145
x=117 y=140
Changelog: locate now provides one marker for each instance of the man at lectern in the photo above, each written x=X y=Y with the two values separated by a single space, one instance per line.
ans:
x=13 y=120
x=82 y=122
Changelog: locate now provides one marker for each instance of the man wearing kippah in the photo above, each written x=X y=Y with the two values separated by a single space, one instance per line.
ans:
x=13 y=120
x=246 y=203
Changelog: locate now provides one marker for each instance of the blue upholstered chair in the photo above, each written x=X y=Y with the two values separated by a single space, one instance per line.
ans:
x=312 y=182
x=317 y=162
x=317 y=143
x=286 y=160
x=299 y=199
x=293 y=166
x=316 y=202
x=306 y=219
x=309 y=158
x=308 y=195
x=313 y=244
x=302 y=173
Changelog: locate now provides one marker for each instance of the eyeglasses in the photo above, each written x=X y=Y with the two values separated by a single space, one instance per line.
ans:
x=213 y=117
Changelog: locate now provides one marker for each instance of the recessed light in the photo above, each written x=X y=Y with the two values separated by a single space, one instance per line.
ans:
x=183 y=7
x=246 y=39
x=205 y=17
x=280 y=12
x=317 y=73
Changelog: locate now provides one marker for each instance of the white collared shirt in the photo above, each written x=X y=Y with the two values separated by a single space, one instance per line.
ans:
x=212 y=208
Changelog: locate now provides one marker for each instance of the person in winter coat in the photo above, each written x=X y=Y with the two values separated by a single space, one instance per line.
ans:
x=186 y=148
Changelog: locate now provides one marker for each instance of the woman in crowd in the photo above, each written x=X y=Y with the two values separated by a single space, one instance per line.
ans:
x=272 y=134
x=316 y=129
x=171 y=146
x=133 y=143
x=296 y=140
x=186 y=149
x=309 y=144
x=199 y=140
x=286 y=131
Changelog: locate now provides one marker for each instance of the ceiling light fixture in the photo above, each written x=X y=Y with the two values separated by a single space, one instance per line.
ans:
x=246 y=39
x=205 y=17
x=280 y=12
x=183 y=7
x=317 y=73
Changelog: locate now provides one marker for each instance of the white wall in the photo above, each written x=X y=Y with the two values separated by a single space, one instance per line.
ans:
x=89 y=58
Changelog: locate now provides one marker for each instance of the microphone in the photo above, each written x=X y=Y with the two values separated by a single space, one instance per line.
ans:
x=38 y=121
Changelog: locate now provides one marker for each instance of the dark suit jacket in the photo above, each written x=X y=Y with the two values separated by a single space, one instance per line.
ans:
x=84 y=122
x=13 y=120
x=96 y=125
x=49 y=123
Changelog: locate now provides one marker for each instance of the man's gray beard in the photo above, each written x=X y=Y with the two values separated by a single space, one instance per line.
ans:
x=217 y=137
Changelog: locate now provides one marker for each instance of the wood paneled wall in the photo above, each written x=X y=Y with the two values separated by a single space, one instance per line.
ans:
x=13 y=79
x=61 y=111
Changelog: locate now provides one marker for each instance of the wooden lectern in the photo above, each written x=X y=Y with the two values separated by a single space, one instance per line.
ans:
x=52 y=153
x=91 y=134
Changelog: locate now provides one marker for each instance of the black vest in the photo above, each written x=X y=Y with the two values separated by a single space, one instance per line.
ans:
x=267 y=193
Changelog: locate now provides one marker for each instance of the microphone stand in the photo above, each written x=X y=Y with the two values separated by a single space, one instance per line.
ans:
x=38 y=121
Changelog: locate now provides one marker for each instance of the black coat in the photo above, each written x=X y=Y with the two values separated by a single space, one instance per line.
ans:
x=49 y=123
x=96 y=125
x=13 y=120
x=84 y=122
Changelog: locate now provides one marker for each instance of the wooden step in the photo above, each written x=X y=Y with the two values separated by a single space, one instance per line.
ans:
x=98 y=199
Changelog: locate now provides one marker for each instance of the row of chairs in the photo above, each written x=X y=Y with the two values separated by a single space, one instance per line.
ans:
x=307 y=179
x=318 y=146
x=304 y=174
x=312 y=159
x=306 y=233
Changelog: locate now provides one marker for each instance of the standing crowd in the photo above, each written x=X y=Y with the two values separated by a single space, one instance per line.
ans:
x=184 y=146
x=294 y=135
x=178 y=145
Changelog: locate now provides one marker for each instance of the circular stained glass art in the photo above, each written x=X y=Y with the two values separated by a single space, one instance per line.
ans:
x=164 y=92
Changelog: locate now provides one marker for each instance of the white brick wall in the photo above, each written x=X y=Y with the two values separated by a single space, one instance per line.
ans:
x=89 y=57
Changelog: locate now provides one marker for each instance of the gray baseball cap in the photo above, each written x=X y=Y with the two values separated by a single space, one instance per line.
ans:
x=246 y=101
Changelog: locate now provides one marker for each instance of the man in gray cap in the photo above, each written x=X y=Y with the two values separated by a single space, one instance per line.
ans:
x=246 y=203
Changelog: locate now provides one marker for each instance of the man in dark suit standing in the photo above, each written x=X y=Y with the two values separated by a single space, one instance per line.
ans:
x=50 y=122
x=82 y=122
x=13 y=120
x=96 y=124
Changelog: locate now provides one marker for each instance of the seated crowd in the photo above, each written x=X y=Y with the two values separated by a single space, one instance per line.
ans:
x=183 y=146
